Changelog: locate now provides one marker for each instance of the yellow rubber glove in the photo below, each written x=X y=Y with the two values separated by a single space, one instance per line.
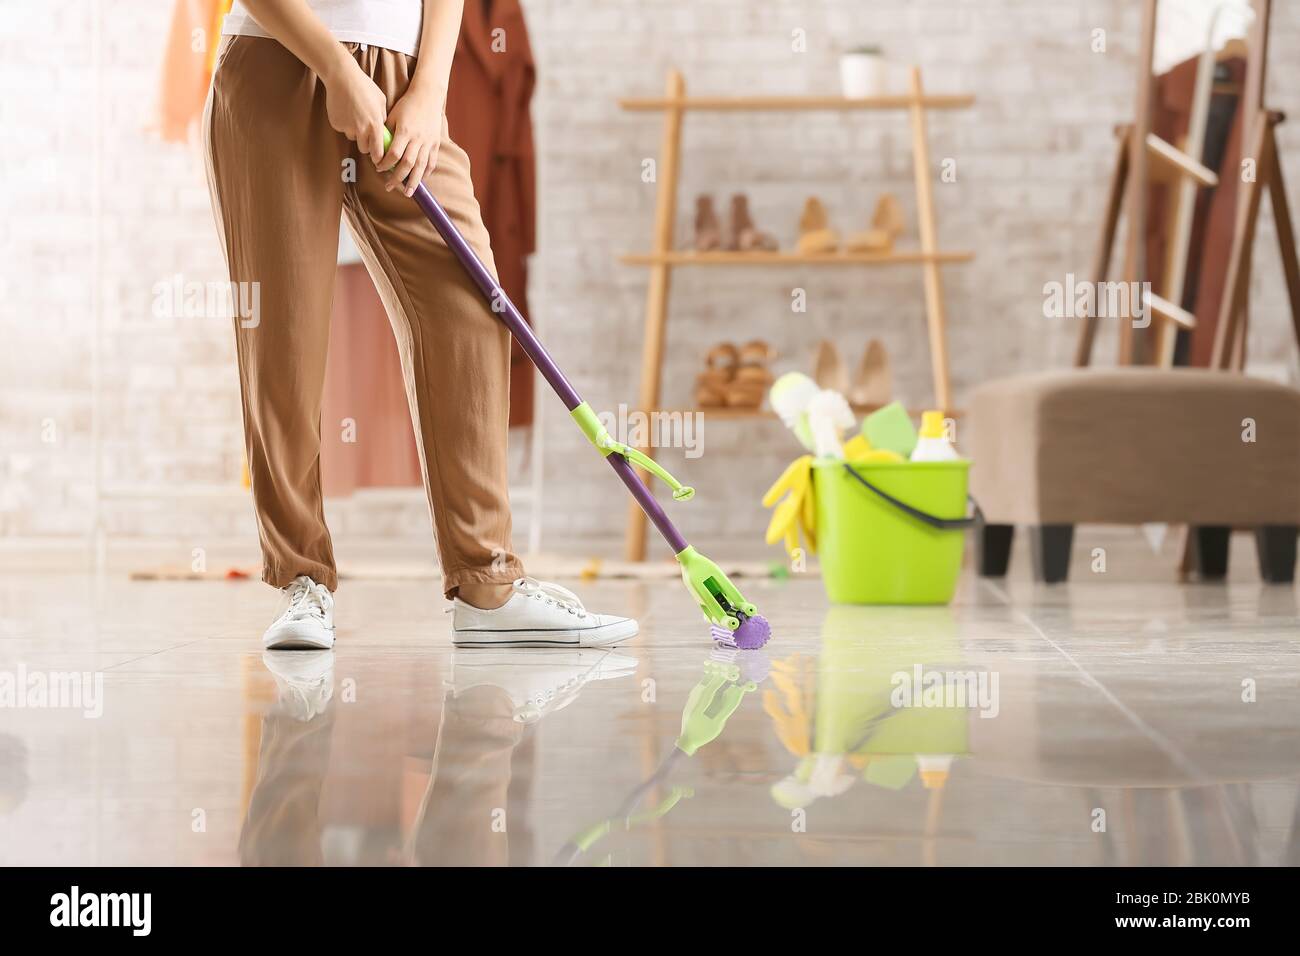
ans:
x=797 y=472
x=795 y=511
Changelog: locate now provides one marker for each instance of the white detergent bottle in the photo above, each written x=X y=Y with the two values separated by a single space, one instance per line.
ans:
x=932 y=444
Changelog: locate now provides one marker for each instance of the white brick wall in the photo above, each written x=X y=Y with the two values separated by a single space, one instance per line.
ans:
x=1033 y=157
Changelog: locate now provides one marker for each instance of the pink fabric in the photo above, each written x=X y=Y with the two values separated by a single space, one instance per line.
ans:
x=363 y=383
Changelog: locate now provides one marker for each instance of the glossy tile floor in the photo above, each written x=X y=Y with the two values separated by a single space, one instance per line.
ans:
x=1110 y=721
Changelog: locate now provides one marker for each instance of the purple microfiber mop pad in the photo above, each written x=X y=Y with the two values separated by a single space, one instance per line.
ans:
x=753 y=633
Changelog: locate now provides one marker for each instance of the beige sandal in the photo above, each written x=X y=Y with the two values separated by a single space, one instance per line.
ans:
x=719 y=372
x=753 y=375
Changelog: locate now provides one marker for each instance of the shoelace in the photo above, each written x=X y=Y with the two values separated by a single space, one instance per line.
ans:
x=307 y=599
x=551 y=594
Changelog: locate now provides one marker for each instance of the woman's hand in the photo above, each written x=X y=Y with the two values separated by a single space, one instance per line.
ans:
x=356 y=107
x=416 y=122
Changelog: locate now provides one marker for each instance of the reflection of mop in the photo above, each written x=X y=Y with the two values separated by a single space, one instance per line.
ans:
x=728 y=677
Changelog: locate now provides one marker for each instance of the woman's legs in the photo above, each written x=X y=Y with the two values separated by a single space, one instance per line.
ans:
x=279 y=174
x=276 y=176
x=455 y=355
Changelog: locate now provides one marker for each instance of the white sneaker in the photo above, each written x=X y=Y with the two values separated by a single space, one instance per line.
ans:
x=538 y=614
x=307 y=622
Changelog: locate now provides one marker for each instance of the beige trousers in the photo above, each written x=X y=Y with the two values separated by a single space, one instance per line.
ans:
x=280 y=177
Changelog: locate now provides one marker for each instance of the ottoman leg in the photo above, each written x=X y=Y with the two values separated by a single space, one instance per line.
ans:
x=994 y=543
x=1276 y=545
x=1212 y=552
x=1051 y=548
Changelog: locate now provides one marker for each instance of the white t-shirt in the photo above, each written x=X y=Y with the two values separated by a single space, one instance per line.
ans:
x=389 y=24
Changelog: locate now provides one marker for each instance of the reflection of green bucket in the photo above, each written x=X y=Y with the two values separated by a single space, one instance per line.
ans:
x=873 y=551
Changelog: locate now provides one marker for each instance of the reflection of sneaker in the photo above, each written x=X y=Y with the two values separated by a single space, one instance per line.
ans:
x=305 y=681
x=538 y=614
x=817 y=776
x=538 y=684
x=307 y=622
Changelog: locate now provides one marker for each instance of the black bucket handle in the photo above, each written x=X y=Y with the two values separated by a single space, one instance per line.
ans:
x=942 y=524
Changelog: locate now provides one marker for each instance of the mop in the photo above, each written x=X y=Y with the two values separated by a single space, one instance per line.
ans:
x=733 y=620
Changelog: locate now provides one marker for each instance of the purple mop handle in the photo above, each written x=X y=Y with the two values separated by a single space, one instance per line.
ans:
x=532 y=345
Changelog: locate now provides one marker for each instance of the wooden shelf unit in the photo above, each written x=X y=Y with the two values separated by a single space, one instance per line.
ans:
x=663 y=258
x=770 y=259
x=785 y=104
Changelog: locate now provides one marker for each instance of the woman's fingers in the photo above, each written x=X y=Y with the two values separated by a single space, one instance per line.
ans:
x=371 y=142
x=409 y=159
x=395 y=152
x=418 y=171
x=425 y=165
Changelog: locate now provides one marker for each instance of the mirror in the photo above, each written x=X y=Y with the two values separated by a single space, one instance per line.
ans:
x=1199 y=68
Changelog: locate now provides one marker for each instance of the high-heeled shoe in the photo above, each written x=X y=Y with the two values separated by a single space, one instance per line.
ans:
x=873 y=385
x=828 y=368
x=816 y=237
x=886 y=226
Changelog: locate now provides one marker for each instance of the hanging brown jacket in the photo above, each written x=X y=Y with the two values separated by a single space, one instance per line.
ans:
x=492 y=80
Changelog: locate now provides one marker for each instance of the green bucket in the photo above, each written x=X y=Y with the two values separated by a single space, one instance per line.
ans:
x=891 y=532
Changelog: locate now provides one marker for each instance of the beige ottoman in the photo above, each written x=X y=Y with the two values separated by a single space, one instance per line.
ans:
x=1211 y=450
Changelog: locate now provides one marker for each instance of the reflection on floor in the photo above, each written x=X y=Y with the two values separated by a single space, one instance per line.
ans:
x=1102 y=722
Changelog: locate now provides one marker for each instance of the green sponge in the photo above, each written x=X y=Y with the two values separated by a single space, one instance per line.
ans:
x=890 y=428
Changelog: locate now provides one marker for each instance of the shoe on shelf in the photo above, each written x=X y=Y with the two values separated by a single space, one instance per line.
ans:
x=708 y=231
x=753 y=375
x=307 y=620
x=886 y=226
x=816 y=237
x=873 y=386
x=744 y=235
x=538 y=614
x=719 y=372
x=828 y=368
